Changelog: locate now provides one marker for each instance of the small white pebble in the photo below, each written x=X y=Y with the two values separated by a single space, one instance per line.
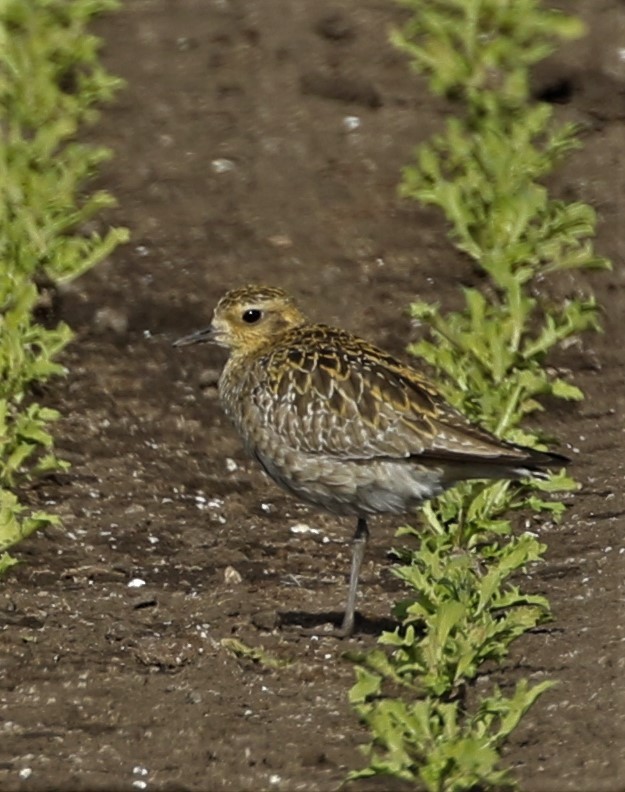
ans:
x=139 y=770
x=222 y=165
x=139 y=784
x=215 y=503
x=153 y=539
x=280 y=241
x=351 y=123
x=266 y=507
x=136 y=583
x=275 y=779
x=231 y=465
x=302 y=528
x=142 y=250
x=25 y=772
x=231 y=575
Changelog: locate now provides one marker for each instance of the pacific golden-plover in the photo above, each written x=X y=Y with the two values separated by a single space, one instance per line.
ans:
x=341 y=424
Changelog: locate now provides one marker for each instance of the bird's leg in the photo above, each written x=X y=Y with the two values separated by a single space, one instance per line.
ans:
x=359 y=543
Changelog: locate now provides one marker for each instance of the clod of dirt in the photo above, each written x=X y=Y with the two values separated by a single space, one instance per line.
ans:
x=266 y=620
x=209 y=378
x=110 y=320
x=350 y=90
x=335 y=27
x=167 y=654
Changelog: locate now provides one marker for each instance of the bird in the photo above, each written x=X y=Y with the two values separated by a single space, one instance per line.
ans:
x=341 y=424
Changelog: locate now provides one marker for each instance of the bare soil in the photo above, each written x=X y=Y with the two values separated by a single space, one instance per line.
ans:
x=263 y=142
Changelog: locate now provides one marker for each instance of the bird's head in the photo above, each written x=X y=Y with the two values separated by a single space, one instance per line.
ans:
x=246 y=319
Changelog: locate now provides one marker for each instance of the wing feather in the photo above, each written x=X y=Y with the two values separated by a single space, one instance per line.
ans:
x=326 y=392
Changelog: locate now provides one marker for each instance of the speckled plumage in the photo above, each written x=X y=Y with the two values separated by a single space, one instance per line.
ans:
x=338 y=422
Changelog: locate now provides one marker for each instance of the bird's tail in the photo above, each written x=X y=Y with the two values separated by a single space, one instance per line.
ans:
x=519 y=463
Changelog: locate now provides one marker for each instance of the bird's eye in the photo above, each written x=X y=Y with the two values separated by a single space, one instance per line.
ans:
x=252 y=315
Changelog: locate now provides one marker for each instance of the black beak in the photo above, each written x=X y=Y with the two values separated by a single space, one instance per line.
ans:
x=199 y=337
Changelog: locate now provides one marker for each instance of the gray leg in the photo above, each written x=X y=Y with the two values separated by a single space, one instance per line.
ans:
x=359 y=543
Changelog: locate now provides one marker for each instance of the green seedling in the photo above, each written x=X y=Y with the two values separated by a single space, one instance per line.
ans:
x=6 y=562
x=50 y=82
x=464 y=606
x=260 y=656
x=432 y=742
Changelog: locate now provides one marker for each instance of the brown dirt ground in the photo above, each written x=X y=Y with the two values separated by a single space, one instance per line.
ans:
x=106 y=686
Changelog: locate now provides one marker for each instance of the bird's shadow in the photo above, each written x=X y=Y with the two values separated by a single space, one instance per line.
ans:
x=314 y=623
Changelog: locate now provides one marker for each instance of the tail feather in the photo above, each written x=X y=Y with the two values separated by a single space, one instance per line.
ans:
x=519 y=463
x=535 y=461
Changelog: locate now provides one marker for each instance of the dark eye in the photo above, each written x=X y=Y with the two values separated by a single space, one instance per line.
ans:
x=252 y=315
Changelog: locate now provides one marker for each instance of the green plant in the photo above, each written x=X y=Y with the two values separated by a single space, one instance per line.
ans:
x=484 y=173
x=481 y=51
x=253 y=653
x=435 y=742
x=50 y=79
